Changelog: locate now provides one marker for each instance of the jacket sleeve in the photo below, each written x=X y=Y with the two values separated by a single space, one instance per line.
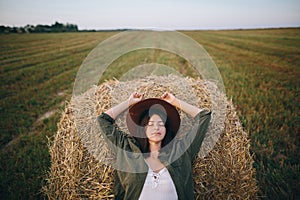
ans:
x=197 y=134
x=111 y=133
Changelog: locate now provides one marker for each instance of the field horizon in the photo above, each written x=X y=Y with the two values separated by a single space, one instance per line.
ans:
x=260 y=71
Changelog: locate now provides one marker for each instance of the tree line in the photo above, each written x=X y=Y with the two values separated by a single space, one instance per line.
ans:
x=56 y=27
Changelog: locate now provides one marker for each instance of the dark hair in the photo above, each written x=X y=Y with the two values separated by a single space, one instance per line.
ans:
x=143 y=121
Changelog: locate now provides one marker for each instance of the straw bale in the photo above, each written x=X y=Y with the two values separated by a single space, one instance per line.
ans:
x=81 y=162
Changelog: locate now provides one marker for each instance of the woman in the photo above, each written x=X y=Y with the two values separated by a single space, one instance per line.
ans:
x=164 y=171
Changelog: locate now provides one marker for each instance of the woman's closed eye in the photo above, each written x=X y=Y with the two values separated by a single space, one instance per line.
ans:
x=152 y=124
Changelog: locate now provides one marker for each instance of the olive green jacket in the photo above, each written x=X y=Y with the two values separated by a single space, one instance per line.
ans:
x=131 y=168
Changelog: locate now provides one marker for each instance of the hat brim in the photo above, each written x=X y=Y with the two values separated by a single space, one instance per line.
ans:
x=137 y=110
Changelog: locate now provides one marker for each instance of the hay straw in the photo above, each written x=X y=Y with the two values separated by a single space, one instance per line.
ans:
x=222 y=170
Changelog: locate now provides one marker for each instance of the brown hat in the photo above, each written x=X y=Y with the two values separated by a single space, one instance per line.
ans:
x=148 y=106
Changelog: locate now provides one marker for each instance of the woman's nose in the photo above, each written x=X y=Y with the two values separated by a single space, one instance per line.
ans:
x=156 y=127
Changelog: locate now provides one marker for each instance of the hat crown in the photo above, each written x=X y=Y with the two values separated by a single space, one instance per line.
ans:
x=149 y=107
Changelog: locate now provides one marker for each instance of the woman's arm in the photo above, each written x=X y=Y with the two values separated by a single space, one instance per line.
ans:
x=193 y=140
x=118 y=109
x=186 y=107
x=107 y=123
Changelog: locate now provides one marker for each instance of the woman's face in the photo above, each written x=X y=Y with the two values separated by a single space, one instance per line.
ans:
x=155 y=129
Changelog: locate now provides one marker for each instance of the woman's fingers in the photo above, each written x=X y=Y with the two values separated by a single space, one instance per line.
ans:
x=168 y=97
x=136 y=97
x=165 y=95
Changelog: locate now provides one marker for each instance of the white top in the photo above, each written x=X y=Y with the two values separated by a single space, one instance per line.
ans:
x=158 y=186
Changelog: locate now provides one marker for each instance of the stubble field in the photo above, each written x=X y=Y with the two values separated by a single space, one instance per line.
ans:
x=260 y=70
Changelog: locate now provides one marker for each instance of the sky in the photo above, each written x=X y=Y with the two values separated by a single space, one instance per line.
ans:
x=165 y=14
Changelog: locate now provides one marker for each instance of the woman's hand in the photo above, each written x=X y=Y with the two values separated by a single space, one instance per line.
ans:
x=186 y=107
x=118 y=109
x=170 y=98
x=135 y=98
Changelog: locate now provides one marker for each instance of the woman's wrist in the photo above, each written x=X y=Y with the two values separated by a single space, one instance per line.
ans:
x=176 y=103
x=128 y=102
x=115 y=111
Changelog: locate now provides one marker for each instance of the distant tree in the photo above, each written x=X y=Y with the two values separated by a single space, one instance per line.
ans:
x=3 y=29
x=42 y=29
x=56 y=27
x=29 y=28
x=14 y=30
x=72 y=27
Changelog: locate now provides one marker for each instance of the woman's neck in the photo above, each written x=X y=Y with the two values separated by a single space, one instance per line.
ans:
x=153 y=160
x=154 y=148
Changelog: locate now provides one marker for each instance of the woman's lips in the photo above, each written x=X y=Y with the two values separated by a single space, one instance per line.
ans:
x=156 y=133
